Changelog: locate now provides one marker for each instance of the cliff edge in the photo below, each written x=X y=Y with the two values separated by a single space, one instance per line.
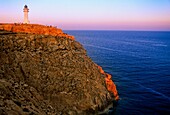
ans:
x=50 y=74
x=35 y=29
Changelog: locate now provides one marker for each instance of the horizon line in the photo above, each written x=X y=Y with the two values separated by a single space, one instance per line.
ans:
x=139 y=30
x=116 y=30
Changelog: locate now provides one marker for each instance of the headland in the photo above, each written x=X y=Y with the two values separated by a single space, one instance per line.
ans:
x=45 y=71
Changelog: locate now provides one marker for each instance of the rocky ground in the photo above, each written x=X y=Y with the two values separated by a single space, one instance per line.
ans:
x=44 y=74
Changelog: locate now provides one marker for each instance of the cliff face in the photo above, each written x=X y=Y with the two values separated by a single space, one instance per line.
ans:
x=44 y=74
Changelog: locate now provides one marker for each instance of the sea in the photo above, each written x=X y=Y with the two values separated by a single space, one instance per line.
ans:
x=139 y=62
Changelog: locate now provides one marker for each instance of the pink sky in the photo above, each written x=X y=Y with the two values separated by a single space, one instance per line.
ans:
x=91 y=14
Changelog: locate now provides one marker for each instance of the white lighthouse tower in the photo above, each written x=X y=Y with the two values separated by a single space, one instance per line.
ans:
x=26 y=10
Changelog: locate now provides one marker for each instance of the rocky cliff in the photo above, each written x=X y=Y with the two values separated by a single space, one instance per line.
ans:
x=50 y=74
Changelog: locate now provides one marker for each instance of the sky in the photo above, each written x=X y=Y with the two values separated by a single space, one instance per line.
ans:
x=148 y=15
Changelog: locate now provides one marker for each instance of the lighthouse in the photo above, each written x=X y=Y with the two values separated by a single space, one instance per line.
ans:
x=26 y=10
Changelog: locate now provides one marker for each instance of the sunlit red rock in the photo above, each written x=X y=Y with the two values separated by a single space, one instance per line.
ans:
x=111 y=87
x=101 y=70
x=35 y=29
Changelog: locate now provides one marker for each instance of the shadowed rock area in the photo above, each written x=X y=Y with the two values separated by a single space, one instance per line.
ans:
x=45 y=74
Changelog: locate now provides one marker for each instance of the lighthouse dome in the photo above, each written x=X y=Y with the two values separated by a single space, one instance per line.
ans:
x=25 y=6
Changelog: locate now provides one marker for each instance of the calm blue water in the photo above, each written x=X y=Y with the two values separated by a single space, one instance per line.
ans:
x=139 y=63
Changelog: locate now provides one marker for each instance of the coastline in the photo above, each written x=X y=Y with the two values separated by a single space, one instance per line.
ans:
x=68 y=40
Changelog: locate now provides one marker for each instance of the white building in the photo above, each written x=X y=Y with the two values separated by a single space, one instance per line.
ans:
x=26 y=10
